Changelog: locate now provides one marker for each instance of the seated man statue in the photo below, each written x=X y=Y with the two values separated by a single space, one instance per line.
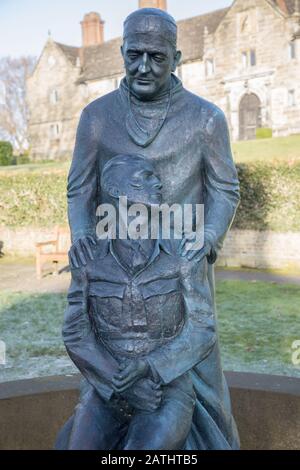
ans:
x=141 y=329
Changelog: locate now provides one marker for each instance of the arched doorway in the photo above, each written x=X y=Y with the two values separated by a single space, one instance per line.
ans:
x=249 y=116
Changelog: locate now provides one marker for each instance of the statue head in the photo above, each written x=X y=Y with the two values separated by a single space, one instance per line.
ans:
x=132 y=176
x=150 y=51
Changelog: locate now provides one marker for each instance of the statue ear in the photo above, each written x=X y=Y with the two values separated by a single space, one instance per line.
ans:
x=177 y=59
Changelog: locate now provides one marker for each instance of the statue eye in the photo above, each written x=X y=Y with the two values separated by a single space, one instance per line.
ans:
x=135 y=183
x=158 y=58
x=147 y=175
x=133 y=55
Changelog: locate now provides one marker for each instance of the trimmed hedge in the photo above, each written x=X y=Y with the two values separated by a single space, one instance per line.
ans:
x=6 y=153
x=23 y=159
x=264 y=133
x=270 y=198
x=36 y=199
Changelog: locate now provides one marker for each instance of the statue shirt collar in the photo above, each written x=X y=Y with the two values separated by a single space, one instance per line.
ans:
x=145 y=119
x=106 y=246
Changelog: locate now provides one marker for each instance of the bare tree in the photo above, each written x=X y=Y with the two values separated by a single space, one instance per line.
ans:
x=13 y=107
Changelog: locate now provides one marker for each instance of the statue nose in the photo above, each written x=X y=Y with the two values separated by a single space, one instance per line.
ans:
x=144 y=66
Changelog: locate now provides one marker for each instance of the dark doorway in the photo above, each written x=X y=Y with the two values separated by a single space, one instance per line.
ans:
x=249 y=116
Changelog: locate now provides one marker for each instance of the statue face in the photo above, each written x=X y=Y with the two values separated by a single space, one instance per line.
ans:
x=149 y=61
x=144 y=187
x=137 y=182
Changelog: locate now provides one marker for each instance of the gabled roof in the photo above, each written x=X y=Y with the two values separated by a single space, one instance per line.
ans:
x=191 y=33
x=102 y=61
x=105 y=60
x=72 y=53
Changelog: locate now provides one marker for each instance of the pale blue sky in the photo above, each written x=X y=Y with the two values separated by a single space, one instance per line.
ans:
x=24 y=24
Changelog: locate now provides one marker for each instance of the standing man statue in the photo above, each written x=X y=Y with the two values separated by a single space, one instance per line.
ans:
x=186 y=140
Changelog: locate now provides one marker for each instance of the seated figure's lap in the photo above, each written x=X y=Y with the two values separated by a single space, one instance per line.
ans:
x=168 y=427
x=97 y=425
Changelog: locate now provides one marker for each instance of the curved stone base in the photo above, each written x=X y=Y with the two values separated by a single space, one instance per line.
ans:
x=266 y=409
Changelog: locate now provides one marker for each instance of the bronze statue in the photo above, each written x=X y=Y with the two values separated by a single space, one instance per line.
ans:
x=155 y=337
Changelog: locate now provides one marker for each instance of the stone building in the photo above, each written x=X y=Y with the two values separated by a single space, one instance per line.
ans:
x=245 y=58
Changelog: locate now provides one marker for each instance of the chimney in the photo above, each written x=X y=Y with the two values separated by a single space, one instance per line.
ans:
x=92 y=30
x=162 y=4
x=282 y=5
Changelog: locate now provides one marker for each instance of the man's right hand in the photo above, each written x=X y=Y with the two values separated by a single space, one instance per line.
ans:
x=81 y=251
x=144 y=395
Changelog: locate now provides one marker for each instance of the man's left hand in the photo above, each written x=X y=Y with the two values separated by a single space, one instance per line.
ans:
x=129 y=374
x=196 y=255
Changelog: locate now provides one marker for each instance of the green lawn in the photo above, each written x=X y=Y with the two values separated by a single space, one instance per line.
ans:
x=258 y=322
x=30 y=325
x=285 y=149
x=47 y=167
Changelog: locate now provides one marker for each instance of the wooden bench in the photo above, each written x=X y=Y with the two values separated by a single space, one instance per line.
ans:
x=53 y=251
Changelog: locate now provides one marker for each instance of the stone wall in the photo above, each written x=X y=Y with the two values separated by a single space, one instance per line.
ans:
x=54 y=99
x=253 y=249
x=21 y=242
x=242 y=248
x=256 y=25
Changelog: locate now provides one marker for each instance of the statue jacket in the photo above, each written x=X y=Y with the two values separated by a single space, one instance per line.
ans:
x=158 y=313
x=193 y=159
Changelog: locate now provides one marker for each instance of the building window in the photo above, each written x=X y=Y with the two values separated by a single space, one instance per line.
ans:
x=117 y=82
x=54 y=131
x=249 y=58
x=84 y=90
x=54 y=97
x=245 y=59
x=51 y=61
x=179 y=72
x=292 y=50
x=252 y=57
x=209 y=67
x=291 y=98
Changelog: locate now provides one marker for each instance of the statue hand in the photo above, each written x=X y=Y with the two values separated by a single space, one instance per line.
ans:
x=144 y=395
x=197 y=255
x=81 y=251
x=129 y=374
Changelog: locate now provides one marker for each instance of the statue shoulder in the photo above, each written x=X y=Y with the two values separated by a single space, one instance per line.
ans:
x=206 y=114
x=101 y=105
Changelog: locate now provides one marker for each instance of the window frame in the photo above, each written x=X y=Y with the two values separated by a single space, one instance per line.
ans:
x=292 y=50
x=292 y=98
x=210 y=67
x=55 y=131
x=253 y=58
x=54 y=96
